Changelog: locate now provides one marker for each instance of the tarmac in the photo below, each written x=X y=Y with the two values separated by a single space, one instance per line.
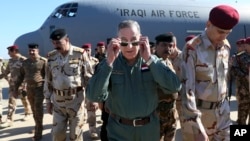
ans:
x=20 y=131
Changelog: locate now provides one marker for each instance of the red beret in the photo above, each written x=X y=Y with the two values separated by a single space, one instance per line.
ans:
x=88 y=45
x=13 y=47
x=247 y=41
x=189 y=37
x=240 y=41
x=101 y=44
x=224 y=17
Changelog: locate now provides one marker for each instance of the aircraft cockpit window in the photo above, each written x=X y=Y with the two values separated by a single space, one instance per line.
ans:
x=66 y=10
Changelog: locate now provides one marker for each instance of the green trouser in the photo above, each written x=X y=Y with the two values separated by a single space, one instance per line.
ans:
x=120 y=132
x=36 y=97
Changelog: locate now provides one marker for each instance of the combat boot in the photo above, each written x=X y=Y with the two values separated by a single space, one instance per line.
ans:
x=93 y=133
x=6 y=124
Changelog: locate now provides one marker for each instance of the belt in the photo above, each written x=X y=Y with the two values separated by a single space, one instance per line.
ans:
x=132 y=122
x=208 y=105
x=67 y=92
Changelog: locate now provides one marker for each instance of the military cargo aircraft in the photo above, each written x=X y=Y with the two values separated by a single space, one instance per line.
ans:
x=91 y=21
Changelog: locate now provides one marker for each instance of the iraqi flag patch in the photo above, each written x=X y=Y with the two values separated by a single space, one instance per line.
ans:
x=144 y=68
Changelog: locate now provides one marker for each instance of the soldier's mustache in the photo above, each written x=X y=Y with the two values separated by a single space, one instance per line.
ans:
x=58 y=48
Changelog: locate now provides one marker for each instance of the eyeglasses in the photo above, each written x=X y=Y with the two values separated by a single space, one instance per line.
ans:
x=135 y=43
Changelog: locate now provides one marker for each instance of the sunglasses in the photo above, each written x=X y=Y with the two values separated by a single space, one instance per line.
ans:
x=135 y=43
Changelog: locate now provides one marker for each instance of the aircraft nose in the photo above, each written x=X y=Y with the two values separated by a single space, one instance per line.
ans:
x=25 y=39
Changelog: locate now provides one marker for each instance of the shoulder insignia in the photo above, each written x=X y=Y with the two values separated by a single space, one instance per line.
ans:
x=193 y=43
x=51 y=53
x=42 y=58
x=23 y=58
x=77 y=49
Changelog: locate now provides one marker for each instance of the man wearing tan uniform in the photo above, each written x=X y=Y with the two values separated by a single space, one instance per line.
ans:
x=33 y=73
x=64 y=87
x=205 y=63
x=13 y=68
x=91 y=106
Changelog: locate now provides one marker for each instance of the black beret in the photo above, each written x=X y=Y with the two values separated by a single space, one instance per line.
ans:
x=166 y=37
x=224 y=17
x=58 y=34
x=152 y=44
x=33 y=45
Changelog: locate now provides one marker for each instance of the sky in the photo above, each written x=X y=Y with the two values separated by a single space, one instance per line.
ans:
x=20 y=17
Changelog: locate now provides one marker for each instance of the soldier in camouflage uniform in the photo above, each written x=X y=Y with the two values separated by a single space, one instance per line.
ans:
x=167 y=103
x=91 y=106
x=205 y=108
x=33 y=73
x=64 y=86
x=13 y=68
x=101 y=51
x=240 y=69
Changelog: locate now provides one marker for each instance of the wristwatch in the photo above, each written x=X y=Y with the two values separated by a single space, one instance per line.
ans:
x=150 y=60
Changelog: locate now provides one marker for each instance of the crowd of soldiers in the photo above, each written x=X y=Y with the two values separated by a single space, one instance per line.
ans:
x=190 y=83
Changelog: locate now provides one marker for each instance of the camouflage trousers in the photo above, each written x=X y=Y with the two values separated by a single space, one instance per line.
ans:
x=91 y=117
x=36 y=97
x=168 y=120
x=180 y=114
x=215 y=121
x=243 y=99
x=68 y=111
x=12 y=103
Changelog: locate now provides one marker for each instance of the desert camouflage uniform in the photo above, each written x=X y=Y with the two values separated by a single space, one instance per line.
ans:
x=176 y=62
x=13 y=68
x=65 y=82
x=167 y=112
x=91 y=113
x=33 y=73
x=240 y=65
x=205 y=70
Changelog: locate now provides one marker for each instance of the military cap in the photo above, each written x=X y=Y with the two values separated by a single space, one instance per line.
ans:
x=240 y=41
x=100 y=44
x=87 y=45
x=33 y=45
x=166 y=37
x=189 y=37
x=247 y=41
x=58 y=34
x=12 y=47
x=224 y=17
x=151 y=44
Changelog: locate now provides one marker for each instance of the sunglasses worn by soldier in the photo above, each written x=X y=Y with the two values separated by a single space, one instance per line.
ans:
x=125 y=44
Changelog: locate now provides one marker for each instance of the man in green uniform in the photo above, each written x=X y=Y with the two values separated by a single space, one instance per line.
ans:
x=33 y=73
x=128 y=80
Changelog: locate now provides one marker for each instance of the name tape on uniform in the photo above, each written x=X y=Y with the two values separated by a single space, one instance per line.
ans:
x=241 y=132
